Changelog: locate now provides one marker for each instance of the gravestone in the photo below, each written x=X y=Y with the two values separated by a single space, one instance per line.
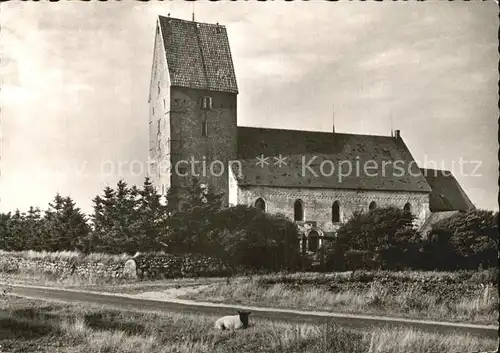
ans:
x=130 y=269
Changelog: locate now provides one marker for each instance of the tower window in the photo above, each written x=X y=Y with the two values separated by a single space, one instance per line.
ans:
x=159 y=90
x=204 y=130
x=206 y=103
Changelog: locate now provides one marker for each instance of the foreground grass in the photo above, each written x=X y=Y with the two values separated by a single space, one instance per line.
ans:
x=465 y=296
x=444 y=302
x=36 y=326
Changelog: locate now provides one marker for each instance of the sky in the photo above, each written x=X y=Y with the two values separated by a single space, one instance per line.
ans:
x=75 y=79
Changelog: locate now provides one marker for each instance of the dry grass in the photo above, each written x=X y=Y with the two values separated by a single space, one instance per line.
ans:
x=67 y=255
x=35 y=326
x=301 y=290
x=378 y=300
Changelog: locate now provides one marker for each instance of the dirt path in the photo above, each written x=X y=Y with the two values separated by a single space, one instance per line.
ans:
x=178 y=305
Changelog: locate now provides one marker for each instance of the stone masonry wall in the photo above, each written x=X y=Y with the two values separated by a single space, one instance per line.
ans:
x=159 y=266
x=188 y=142
x=318 y=202
x=159 y=118
x=61 y=269
x=147 y=266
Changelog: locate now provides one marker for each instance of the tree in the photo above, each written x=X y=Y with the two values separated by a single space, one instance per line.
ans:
x=385 y=236
x=102 y=222
x=115 y=220
x=33 y=226
x=4 y=230
x=152 y=218
x=251 y=238
x=190 y=209
x=64 y=226
x=467 y=238
x=129 y=219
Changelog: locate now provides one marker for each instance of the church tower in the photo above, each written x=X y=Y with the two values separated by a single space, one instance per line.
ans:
x=192 y=105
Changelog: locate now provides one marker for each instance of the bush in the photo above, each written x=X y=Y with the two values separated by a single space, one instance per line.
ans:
x=467 y=240
x=242 y=236
x=381 y=238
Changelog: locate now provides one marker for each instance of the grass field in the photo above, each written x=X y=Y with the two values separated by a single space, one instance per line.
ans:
x=464 y=296
x=36 y=326
x=438 y=300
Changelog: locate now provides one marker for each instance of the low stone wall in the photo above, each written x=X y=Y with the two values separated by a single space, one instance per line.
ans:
x=157 y=266
x=61 y=268
x=141 y=266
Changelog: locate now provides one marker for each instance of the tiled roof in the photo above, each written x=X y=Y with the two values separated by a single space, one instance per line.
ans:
x=299 y=147
x=433 y=219
x=198 y=55
x=447 y=194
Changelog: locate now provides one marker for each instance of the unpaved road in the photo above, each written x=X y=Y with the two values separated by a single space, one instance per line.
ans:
x=185 y=306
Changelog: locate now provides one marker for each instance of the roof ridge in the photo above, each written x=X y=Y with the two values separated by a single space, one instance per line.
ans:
x=189 y=21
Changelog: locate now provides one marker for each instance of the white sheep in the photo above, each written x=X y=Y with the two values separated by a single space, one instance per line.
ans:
x=233 y=322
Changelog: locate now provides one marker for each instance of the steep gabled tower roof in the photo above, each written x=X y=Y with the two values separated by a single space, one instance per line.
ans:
x=198 y=55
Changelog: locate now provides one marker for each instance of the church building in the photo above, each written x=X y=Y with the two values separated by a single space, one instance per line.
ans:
x=318 y=179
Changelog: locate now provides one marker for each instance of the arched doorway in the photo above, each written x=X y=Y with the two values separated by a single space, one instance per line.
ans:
x=260 y=204
x=298 y=211
x=373 y=205
x=407 y=207
x=313 y=241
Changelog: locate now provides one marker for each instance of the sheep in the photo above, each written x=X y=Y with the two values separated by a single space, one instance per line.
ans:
x=233 y=322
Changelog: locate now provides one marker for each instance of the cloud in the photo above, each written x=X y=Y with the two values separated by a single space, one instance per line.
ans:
x=76 y=80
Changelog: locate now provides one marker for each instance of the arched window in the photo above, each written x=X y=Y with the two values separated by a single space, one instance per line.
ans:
x=407 y=207
x=260 y=204
x=313 y=241
x=206 y=102
x=298 y=211
x=336 y=212
x=372 y=206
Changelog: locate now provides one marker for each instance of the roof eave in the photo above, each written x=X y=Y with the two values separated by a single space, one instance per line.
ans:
x=241 y=184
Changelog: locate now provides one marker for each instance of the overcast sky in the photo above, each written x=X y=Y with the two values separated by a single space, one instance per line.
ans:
x=76 y=75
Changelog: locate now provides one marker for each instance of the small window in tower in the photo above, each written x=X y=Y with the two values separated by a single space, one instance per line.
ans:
x=183 y=171
x=159 y=90
x=153 y=111
x=164 y=105
x=204 y=131
x=206 y=103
